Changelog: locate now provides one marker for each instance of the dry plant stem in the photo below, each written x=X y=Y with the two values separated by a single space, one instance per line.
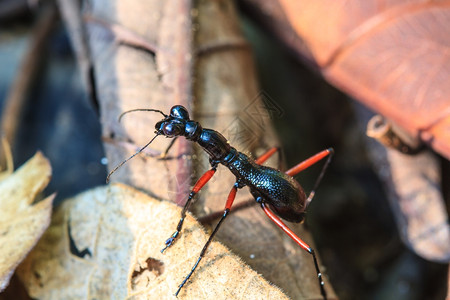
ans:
x=183 y=91
x=392 y=136
x=71 y=15
x=18 y=94
x=413 y=185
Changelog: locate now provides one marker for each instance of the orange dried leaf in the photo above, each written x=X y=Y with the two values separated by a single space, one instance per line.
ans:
x=106 y=244
x=391 y=55
x=21 y=222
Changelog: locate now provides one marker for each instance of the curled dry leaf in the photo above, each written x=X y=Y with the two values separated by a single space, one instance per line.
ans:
x=21 y=222
x=106 y=244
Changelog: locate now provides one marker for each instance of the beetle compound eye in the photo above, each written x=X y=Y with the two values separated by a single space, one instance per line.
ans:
x=159 y=127
x=171 y=129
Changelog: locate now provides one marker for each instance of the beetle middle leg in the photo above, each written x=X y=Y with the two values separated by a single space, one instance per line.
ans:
x=229 y=203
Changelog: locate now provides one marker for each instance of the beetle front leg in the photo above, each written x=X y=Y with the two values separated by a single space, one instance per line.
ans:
x=197 y=187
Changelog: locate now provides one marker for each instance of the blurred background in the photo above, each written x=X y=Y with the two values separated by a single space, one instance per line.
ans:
x=45 y=106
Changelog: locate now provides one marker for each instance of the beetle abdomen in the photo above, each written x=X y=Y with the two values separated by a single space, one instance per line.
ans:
x=280 y=191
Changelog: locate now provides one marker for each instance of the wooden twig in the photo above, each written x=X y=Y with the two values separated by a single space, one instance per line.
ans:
x=71 y=15
x=18 y=94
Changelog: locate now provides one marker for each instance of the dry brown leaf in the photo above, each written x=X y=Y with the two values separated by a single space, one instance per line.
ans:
x=117 y=233
x=21 y=223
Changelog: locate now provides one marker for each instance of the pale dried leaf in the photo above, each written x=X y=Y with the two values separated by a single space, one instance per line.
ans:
x=21 y=222
x=118 y=233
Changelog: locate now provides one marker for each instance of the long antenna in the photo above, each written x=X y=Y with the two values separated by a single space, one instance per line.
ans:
x=141 y=109
x=119 y=165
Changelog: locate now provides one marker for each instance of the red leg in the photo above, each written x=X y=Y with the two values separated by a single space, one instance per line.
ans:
x=197 y=187
x=299 y=241
x=309 y=162
x=266 y=155
x=231 y=197
x=230 y=201
x=203 y=180
x=286 y=229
